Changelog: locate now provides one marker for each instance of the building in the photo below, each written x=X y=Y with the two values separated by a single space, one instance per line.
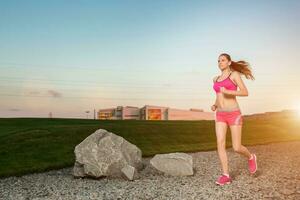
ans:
x=151 y=112
x=119 y=113
x=108 y=113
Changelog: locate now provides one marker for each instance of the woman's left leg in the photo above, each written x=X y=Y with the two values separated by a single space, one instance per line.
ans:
x=236 y=133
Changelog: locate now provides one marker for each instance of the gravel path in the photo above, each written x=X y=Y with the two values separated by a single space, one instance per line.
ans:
x=278 y=177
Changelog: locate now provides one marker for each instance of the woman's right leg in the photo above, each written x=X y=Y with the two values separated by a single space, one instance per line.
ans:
x=221 y=129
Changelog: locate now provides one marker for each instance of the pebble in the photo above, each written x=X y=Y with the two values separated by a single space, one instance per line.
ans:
x=275 y=179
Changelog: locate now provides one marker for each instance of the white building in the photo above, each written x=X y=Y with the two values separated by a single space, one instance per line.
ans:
x=151 y=112
x=119 y=113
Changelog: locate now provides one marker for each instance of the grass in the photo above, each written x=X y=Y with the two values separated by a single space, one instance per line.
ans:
x=30 y=145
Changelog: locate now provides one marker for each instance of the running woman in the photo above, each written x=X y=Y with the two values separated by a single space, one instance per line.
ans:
x=228 y=112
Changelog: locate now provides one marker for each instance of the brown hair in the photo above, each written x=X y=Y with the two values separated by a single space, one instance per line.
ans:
x=240 y=66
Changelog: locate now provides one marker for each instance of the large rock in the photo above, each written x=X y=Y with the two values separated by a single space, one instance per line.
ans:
x=105 y=154
x=175 y=164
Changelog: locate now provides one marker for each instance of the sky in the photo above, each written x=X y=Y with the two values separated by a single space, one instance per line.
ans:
x=69 y=57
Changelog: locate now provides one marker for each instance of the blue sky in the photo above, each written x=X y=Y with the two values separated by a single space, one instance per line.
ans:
x=71 y=56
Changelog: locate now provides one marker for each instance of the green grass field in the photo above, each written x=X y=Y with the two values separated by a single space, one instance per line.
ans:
x=36 y=144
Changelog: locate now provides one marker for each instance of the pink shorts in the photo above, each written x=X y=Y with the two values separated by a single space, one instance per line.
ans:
x=229 y=117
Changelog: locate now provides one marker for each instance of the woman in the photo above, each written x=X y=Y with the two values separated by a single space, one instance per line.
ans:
x=228 y=112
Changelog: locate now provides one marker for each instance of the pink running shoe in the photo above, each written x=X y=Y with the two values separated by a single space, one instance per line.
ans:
x=223 y=179
x=252 y=164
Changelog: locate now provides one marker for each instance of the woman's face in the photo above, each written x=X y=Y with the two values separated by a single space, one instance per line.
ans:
x=223 y=62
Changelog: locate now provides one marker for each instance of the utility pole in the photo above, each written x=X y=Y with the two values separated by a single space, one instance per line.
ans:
x=50 y=115
x=87 y=114
x=94 y=114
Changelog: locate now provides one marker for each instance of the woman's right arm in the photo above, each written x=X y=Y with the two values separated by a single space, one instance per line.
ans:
x=215 y=104
x=216 y=101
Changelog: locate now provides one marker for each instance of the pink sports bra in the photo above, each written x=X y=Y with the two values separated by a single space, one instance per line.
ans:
x=227 y=83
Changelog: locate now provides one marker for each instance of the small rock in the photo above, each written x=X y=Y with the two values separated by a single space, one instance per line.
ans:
x=287 y=191
x=129 y=172
x=175 y=164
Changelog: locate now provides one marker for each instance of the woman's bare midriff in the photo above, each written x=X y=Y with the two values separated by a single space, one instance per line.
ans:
x=226 y=101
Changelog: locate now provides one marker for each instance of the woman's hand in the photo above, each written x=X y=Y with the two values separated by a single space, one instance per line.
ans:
x=224 y=90
x=213 y=107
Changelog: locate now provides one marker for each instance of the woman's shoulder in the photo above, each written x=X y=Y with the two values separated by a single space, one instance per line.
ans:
x=235 y=73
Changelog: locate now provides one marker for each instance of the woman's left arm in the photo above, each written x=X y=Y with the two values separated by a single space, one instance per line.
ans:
x=243 y=89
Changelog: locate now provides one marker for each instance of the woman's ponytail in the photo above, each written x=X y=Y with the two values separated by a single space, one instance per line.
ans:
x=240 y=66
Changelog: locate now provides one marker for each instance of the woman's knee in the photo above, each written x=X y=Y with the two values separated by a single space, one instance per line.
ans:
x=237 y=148
x=221 y=144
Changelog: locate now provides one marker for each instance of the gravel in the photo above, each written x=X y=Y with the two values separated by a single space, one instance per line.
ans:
x=278 y=177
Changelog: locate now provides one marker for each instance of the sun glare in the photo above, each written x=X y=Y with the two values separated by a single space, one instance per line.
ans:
x=298 y=110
